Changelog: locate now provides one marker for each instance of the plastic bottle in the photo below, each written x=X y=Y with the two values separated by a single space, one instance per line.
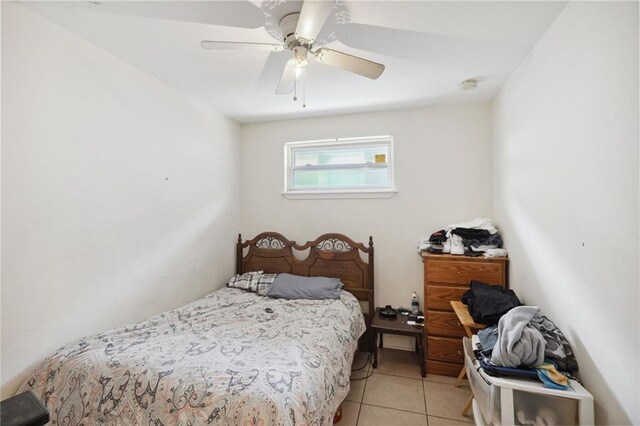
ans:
x=415 y=304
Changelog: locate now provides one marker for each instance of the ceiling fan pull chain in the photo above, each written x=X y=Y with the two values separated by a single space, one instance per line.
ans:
x=304 y=90
x=295 y=90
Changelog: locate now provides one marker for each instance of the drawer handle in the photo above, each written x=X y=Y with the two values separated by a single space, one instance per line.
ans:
x=459 y=353
x=459 y=325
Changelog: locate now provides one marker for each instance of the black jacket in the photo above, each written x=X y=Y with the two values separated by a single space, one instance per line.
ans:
x=488 y=303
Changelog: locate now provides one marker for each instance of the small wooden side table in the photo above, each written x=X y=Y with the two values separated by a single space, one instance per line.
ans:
x=398 y=326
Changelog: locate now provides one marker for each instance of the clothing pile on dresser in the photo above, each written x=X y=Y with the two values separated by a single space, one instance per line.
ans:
x=474 y=238
x=518 y=336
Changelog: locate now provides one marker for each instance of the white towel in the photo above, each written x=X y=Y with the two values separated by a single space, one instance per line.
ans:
x=495 y=252
x=477 y=223
x=423 y=244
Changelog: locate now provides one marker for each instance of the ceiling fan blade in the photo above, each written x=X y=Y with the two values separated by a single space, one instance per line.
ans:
x=213 y=44
x=288 y=79
x=241 y=14
x=350 y=63
x=433 y=49
x=313 y=15
x=271 y=72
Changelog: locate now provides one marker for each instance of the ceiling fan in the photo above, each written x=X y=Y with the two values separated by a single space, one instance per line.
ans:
x=299 y=31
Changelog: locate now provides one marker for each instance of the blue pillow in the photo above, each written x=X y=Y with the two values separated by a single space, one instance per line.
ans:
x=287 y=286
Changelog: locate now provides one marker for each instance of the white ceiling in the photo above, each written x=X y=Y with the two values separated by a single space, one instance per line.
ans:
x=428 y=47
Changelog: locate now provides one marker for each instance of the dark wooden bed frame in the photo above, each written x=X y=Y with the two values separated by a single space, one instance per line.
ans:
x=330 y=255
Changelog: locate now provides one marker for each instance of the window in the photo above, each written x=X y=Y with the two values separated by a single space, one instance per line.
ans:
x=340 y=168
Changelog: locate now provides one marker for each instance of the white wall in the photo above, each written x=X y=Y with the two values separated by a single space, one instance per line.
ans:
x=566 y=192
x=119 y=193
x=443 y=174
x=131 y=208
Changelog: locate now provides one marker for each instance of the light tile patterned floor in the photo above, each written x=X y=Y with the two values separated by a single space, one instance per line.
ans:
x=396 y=395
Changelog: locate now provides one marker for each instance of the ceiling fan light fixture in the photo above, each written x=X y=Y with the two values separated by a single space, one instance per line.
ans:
x=300 y=56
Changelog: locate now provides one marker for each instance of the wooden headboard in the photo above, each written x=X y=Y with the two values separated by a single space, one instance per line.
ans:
x=330 y=255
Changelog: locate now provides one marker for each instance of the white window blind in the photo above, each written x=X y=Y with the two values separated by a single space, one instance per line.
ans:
x=340 y=166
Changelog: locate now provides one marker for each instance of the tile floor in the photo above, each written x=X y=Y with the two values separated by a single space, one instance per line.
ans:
x=397 y=395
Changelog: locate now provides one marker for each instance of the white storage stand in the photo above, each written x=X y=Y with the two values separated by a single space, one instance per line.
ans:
x=496 y=400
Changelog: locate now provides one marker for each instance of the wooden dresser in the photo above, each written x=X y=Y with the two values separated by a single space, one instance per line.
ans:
x=446 y=278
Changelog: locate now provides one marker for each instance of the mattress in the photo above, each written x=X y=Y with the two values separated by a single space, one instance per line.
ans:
x=222 y=359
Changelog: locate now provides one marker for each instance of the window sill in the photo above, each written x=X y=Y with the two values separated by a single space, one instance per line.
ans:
x=336 y=194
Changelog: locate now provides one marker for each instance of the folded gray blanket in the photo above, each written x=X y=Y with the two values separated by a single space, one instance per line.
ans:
x=519 y=343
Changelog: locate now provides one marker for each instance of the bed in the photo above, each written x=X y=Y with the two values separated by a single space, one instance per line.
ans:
x=223 y=359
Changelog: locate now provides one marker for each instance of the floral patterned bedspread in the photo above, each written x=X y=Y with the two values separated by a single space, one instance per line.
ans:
x=221 y=359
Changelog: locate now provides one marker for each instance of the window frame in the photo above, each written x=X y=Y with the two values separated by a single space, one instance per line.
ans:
x=327 y=192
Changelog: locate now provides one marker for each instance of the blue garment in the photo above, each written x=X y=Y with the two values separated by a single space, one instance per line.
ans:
x=545 y=376
x=488 y=337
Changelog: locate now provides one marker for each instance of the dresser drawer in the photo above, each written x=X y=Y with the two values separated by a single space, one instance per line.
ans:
x=439 y=296
x=443 y=368
x=462 y=272
x=445 y=349
x=444 y=324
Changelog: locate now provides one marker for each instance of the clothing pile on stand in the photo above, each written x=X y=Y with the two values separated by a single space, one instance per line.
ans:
x=474 y=238
x=488 y=303
x=518 y=337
